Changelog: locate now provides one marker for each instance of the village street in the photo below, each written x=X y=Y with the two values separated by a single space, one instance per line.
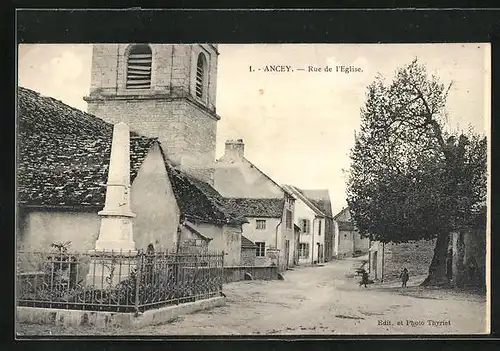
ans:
x=329 y=300
x=321 y=300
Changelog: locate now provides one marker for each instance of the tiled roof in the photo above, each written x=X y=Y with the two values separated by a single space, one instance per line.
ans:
x=341 y=212
x=300 y=194
x=63 y=153
x=247 y=243
x=199 y=201
x=64 y=158
x=272 y=208
x=346 y=226
x=321 y=199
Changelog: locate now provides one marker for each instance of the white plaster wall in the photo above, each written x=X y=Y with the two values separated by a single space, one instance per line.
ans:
x=302 y=211
x=152 y=200
x=226 y=238
x=267 y=235
x=154 y=203
x=42 y=228
x=239 y=178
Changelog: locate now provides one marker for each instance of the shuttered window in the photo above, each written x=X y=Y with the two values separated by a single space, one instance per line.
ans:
x=305 y=225
x=201 y=67
x=139 y=67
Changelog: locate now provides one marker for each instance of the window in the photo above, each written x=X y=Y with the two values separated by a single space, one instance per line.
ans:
x=261 y=249
x=201 y=72
x=319 y=227
x=288 y=219
x=303 y=250
x=305 y=226
x=261 y=224
x=139 y=67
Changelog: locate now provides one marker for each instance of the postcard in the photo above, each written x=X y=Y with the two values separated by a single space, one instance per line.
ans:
x=253 y=189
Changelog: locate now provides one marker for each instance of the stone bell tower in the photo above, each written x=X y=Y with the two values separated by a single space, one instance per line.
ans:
x=161 y=90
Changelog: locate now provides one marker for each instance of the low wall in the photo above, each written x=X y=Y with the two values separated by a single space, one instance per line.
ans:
x=62 y=317
x=237 y=273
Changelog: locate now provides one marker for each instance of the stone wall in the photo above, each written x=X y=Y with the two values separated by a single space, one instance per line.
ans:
x=361 y=245
x=416 y=256
x=237 y=273
x=247 y=257
x=345 y=244
x=469 y=257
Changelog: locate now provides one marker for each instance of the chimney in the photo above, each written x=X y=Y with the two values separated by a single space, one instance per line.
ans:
x=235 y=149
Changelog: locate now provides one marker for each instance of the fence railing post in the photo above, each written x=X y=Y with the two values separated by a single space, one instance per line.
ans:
x=138 y=278
x=177 y=277
x=222 y=272
x=195 y=280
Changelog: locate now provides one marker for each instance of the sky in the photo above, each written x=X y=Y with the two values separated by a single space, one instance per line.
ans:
x=298 y=126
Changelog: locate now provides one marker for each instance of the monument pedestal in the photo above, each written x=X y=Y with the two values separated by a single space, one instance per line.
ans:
x=109 y=268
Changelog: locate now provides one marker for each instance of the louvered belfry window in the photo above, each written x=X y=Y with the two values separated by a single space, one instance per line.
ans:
x=200 y=75
x=139 y=67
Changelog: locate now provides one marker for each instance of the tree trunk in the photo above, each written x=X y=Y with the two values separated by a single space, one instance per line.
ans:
x=437 y=269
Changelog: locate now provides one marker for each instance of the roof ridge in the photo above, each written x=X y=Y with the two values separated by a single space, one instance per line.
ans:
x=308 y=202
x=214 y=205
x=268 y=177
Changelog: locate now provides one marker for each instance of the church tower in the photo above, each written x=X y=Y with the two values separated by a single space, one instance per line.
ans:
x=161 y=90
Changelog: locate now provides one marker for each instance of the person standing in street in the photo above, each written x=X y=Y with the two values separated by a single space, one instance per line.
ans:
x=405 y=276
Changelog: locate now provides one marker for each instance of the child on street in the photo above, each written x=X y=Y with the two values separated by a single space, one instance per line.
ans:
x=405 y=276
x=364 y=278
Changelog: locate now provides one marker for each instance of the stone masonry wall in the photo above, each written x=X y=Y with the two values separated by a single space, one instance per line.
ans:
x=469 y=257
x=416 y=256
x=185 y=124
x=247 y=257
x=187 y=134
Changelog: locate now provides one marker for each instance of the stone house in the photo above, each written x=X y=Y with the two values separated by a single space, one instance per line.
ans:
x=348 y=241
x=265 y=218
x=296 y=253
x=321 y=199
x=62 y=166
x=268 y=207
x=313 y=217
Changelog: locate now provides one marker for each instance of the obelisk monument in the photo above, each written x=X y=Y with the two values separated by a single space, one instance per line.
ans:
x=115 y=234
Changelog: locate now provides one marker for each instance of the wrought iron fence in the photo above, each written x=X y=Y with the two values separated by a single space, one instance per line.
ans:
x=117 y=281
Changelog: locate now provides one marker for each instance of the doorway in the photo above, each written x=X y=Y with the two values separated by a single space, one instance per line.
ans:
x=287 y=252
x=374 y=264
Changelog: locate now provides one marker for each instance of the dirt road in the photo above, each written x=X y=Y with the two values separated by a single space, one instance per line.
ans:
x=329 y=300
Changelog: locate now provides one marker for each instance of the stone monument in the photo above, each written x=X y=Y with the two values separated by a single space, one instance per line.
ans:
x=114 y=255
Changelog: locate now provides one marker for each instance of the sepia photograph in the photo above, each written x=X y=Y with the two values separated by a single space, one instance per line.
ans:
x=252 y=189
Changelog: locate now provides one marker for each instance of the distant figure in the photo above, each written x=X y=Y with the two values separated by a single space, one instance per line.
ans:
x=364 y=278
x=404 y=277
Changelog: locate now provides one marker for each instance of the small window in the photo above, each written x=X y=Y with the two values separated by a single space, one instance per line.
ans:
x=201 y=73
x=261 y=224
x=319 y=227
x=288 y=219
x=261 y=249
x=303 y=250
x=305 y=226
